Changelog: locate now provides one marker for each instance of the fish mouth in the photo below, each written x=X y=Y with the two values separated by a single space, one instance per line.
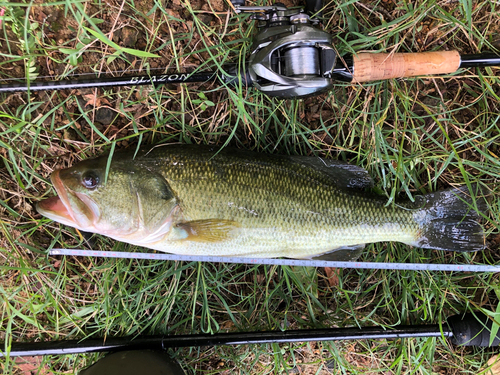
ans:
x=68 y=207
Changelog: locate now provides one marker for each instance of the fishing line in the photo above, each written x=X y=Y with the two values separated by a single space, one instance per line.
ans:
x=281 y=262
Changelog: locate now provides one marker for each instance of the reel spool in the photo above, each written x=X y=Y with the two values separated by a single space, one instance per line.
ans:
x=290 y=57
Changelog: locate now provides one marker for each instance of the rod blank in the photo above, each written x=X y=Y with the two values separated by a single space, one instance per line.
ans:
x=233 y=338
x=479 y=60
x=109 y=82
x=467 y=330
x=231 y=75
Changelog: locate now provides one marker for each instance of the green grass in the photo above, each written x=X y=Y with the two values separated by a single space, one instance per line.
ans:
x=413 y=136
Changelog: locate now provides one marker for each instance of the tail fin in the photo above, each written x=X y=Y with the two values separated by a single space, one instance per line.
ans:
x=449 y=221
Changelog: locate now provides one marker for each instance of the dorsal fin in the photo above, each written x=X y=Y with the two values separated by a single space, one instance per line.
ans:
x=343 y=174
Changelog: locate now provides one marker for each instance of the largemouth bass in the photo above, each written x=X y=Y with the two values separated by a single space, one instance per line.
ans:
x=196 y=200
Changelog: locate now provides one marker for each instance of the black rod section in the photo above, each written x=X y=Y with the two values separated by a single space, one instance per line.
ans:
x=471 y=329
x=109 y=82
x=479 y=60
x=328 y=334
x=233 y=338
x=231 y=77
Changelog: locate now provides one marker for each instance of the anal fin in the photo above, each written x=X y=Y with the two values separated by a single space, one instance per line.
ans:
x=342 y=254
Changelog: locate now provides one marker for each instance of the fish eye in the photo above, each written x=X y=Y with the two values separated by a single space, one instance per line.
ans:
x=90 y=180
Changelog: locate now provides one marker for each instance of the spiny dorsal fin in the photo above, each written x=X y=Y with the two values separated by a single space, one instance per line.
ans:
x=209 y=230
x=343 y=174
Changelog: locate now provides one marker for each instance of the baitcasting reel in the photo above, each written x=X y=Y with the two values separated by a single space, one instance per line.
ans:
x=291 y=57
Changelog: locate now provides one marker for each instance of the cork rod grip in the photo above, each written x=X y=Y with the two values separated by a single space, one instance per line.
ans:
x=377 y=66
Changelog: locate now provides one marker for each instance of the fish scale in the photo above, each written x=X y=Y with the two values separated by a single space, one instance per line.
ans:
x=297 y=207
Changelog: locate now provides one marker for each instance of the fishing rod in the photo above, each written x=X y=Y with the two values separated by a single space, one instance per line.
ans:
x=471 y=329
x=291 y=57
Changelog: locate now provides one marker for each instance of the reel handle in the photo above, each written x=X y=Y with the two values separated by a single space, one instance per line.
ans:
x=380 y=66
x=472 y=330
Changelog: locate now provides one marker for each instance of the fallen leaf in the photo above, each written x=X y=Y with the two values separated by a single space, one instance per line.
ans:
x=91 y=99
x=260 y=278
x=32 y=365
x=493 y=366
x=94 y=100
x=332 y=276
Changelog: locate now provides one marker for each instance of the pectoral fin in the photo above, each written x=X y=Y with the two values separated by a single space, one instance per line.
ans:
x=209 y=230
